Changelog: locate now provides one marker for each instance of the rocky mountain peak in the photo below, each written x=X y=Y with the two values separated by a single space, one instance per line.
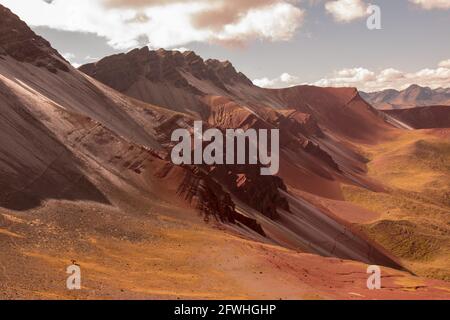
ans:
x=18 y=41
x=163 y=66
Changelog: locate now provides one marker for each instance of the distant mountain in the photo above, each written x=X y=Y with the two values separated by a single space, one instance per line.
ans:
x=413 y=96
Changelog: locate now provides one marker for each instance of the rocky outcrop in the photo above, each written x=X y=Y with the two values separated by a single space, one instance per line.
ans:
x=245 y=182
x=300 y=123
x=18 y=41
x=225 y=71
x=202 y=192
x=316 y=151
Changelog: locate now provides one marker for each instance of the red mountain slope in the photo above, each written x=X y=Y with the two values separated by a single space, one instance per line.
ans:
x=87 y=177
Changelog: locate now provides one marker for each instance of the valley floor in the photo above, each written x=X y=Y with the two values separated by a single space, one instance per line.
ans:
x=166 y=252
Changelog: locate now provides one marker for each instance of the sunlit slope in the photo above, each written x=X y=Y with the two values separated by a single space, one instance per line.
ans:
x=415 y=210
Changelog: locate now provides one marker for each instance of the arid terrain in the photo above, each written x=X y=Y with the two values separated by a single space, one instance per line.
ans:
x=87 y=179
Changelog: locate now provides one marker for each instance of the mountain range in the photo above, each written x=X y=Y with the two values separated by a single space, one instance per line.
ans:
x=413 y=96
x=87 y=179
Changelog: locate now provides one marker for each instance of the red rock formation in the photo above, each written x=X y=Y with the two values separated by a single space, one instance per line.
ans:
x=200 y=190
x=245 y=182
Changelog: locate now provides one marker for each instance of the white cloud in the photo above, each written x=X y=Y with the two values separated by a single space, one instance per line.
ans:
x=71 y=57
x=90 y=58
x=348 y=78
x=68 y=56
x=368 y=80
x=347 y=10
x=276 y=22
x=445 y=64
x=180 y=49
x=164 y=23
x=285 y=80
x=432 y=4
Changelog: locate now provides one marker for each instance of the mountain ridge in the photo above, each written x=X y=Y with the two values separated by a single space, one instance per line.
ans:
x=20 y=42
x=413 y=96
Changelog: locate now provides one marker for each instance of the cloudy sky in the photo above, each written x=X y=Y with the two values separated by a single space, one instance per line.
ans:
x=276 y=43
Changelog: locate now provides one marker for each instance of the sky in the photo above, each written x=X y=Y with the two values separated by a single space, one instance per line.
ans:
x=276 y=43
